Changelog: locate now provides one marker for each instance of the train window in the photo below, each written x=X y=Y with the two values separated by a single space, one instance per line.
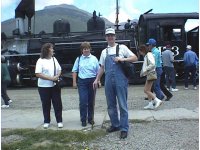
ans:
x=170 y=33
x=176 y=34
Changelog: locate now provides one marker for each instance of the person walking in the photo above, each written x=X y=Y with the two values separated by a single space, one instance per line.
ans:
x=5 y=81
x=147 y=68
x=168 y=60
x=190 y=66
x=116 y=83
x=86 y=68
x=48 y=71
x=166 y=92
x=158 y=62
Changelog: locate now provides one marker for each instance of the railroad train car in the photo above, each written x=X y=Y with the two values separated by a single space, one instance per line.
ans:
x=170 y=28
x=22 y=50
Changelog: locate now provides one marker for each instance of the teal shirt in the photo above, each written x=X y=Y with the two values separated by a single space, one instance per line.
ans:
x=5 y=75
x=157 y=56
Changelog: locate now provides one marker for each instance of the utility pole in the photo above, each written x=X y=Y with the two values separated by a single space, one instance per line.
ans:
x=117 y=13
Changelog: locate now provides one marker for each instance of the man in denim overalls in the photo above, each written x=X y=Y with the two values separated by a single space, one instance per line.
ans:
x=116 y=83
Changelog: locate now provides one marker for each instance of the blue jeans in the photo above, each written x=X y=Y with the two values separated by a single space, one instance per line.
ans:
x=86 y=99
x=170 y=76
x=187 y=70
x=116 y=90
x=156 y=84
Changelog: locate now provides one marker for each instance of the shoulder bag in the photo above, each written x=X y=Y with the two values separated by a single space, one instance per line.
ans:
x=59 y=82
x=127 y=67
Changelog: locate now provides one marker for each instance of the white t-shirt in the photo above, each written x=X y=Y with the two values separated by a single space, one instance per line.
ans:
x=123 y=52
x=46 y=67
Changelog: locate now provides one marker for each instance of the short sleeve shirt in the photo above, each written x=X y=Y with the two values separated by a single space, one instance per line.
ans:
x=87 y=66
x=46 y=67
x=123 y=52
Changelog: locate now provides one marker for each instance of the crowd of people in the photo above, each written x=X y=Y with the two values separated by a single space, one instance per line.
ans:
x=87 y=72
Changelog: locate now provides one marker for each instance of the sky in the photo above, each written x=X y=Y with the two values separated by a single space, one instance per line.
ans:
x=128 y=9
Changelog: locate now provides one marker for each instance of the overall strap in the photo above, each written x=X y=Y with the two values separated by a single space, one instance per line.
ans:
x=107 y=51
x=117 y=50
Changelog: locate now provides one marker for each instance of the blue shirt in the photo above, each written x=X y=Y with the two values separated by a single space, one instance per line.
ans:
x=190 y=58
x=87 y=67
x=157 y=56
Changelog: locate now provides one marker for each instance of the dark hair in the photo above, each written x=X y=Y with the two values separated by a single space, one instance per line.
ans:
x=143 y=49
x=45 y=50
x=85 y=45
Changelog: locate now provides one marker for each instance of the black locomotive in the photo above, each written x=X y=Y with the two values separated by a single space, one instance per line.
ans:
x=23 y=49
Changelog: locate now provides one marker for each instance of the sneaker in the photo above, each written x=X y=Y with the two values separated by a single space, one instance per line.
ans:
x=5 y=106
x=10 y=101
x=186 y=88
x=149 y=106
x=123 y=135
x=84 y=124
x=174 y=90
x=46 y=125
x=60 y=125
x=168 y=98
x=112 y=129
x=195 y=88
x=158 y=102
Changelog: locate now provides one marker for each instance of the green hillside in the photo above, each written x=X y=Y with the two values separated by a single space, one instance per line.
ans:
x=44 y=19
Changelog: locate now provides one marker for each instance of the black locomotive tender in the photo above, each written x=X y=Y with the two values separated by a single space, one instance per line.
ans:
x=22 y=50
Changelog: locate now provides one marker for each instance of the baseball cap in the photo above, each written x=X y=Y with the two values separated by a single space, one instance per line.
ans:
x=110 y=31
x=151 y=42
x=189 y=47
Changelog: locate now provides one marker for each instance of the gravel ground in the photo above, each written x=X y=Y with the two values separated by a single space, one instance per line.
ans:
x=155 y=135
x=28 y=98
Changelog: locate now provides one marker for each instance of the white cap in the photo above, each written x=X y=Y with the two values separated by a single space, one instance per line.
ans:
x=189 y=47
x=110 y=31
